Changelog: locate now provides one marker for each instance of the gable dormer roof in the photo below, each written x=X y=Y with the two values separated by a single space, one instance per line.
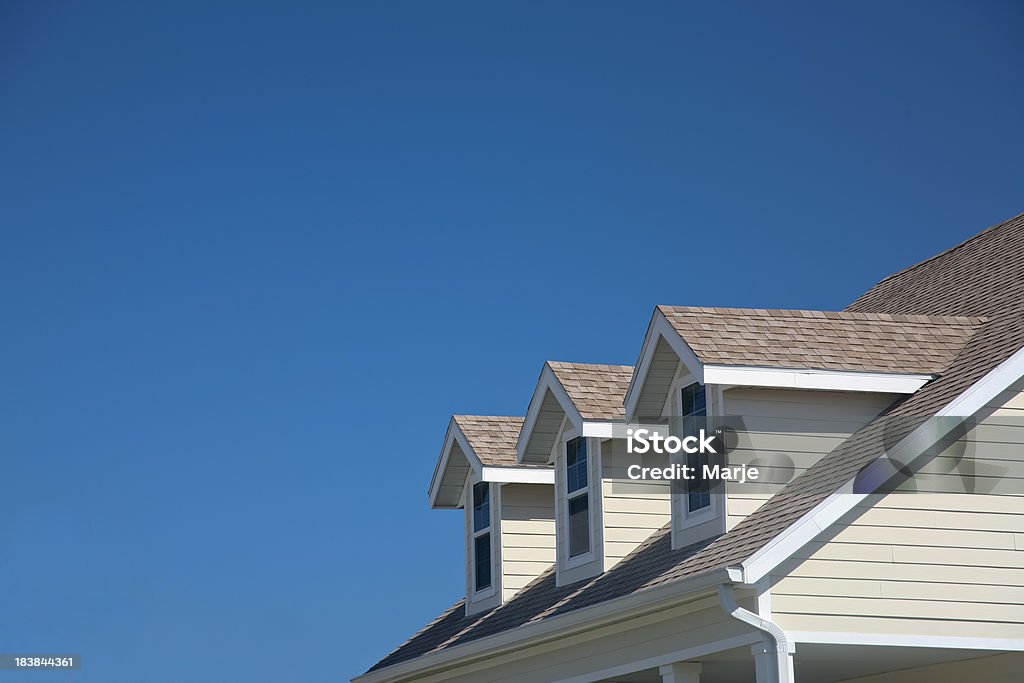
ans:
x=837 y=350
x=570 y=394
x=597 y=391
x=484 y=445
x=492 y=437
x=822 y=340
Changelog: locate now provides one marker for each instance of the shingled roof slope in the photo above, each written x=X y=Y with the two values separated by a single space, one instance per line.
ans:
x=597 y=391
x=493 y=438
x=981 y=276
x=821 y=340
x=991 y=262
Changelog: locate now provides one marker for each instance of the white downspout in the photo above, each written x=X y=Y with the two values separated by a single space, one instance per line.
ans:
x=783 y=669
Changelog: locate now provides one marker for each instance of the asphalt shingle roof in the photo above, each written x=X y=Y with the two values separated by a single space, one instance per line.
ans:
x=493 y=438
x=822 y=340
x=597 y=391
x=983 y=277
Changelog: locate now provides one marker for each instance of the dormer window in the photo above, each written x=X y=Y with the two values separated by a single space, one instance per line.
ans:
x=481 y=536
x=693 y=405
x=577 y=496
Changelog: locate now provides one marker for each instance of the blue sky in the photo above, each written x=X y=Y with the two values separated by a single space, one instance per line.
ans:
x=253 y=255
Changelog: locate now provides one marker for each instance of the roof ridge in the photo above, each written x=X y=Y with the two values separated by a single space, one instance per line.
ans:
x=948 y=251
x=489 y=417
x=830 y=315
x=595 y=366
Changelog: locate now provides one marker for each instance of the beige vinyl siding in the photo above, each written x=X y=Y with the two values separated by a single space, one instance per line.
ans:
x=944 y=564
x=527 y=534
x=801 y=424
x=631 y=510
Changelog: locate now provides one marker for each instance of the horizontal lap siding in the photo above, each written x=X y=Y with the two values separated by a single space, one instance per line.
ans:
x=801 y=424
x=631 y=511
x=527 y=534
x=920 y=563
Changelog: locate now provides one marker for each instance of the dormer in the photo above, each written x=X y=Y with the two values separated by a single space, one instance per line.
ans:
x=600 y=518
x=509 y=508
x=799 y=382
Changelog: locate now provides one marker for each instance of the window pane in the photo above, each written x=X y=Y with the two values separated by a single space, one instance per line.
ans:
x=576 y=464
x=579 y=525
x=694 y=400
x=483 y=561
x=481 y=506
x=698 y=491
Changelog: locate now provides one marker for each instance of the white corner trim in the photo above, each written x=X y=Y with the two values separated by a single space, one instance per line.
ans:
x=517 y=475
x=828 y=511
x=547 y=382
x=831 y=380
x=660 y=328
x=906 y=640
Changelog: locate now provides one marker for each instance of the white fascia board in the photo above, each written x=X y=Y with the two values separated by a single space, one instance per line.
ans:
x=552 y=628
x=518 y=475
x=435 y=481
x=831 y=380
x=660 y=328
x=830 y=510
x=643 y=365
x=600 y=430
x=547 y=382
x=906 y=640
x=452 y=436
x=617 y=430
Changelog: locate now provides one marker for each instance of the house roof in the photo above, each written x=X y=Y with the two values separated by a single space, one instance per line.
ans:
x=984 y=276
x=822 y=340
x=492 y=438
x=472 y=443
x=597 y=391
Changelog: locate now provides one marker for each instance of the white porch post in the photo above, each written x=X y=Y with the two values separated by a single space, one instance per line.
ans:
x=680 y=672
x=772 y=666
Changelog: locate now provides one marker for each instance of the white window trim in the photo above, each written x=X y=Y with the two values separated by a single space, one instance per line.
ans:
x=682 y=512
x=492 y=490
x=573 y=561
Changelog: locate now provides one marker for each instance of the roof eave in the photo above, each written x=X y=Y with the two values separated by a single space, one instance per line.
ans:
x=554 y=627
x=453 y=436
